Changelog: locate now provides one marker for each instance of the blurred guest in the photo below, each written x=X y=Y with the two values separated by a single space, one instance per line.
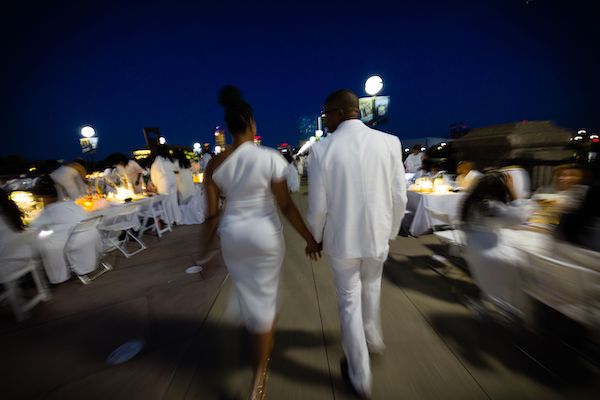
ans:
x=185 y=181
x=205 y=157
x=520 y=179
x=70 y=180
x=164 y=179
x=493 y=204
x=11 y=228
x=58 y=218
x=567 y=190
x=414 y=160
x=129 y=172
x=293 y=180
x=300 y=165
x=564 y=177
x=467 y=175
x=429 y=169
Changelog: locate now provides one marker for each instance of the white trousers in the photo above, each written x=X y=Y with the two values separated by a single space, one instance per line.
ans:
x=358 y=287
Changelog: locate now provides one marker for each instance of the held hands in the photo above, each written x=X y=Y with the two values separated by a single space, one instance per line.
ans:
x=313 y=250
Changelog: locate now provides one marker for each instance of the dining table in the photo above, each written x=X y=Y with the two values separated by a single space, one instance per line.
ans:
x=443 y=202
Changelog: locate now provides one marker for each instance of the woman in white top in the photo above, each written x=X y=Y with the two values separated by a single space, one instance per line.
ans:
x=494 y=263
x=162 y=173
x=252 y=180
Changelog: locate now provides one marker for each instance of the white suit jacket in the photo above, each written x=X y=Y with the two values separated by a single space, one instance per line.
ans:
x=357 y=191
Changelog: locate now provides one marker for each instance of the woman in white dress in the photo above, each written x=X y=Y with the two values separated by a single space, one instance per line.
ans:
x=252 y=180
x=493 y=261
x=164 y=179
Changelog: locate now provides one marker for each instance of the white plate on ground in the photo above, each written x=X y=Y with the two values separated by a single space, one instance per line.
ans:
x=125 y=352
x=194 y=269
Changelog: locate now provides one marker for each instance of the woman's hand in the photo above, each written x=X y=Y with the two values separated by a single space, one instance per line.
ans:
x=313 y=250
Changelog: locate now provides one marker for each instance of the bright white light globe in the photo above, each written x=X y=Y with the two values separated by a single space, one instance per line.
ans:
x=162 y=140
x=217 y=149
x=312 y=139
x=87 y=131
x=318 y=133
x=196 y=146
x=373 y=85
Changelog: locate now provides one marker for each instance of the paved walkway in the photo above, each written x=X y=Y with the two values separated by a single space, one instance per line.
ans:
x=436 y=347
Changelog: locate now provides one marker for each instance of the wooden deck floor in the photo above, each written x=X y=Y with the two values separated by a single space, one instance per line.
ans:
x=436 y=347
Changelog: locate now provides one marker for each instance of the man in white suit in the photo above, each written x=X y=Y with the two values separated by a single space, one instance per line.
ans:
x=357 y=198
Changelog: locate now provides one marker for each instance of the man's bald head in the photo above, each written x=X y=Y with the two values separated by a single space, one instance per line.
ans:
x=344 y=99
x=340 y=106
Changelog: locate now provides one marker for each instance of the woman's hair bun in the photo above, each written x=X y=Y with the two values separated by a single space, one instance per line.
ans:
x=230 y=96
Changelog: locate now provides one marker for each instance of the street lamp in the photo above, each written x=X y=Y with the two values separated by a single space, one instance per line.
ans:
x=318 y=133
x=87 y=131
x=162 y=140
x=196 y=147
x=373 y=85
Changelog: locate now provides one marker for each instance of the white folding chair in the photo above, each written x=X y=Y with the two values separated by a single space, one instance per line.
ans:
x=14 y=268
x=451 y=234
x=154 y=210
x=85 y=235
x=571 y=289
x=118 y=228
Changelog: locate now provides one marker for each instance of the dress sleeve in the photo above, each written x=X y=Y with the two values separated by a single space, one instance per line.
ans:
x=279 y=167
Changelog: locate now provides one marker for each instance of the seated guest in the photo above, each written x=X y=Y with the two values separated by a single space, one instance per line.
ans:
x=568 y=187
x=11 y=226
x=564 y=177
x=492 y=205
x=70 y=180
x=467 y=175
x=185 y=181
x=429 y=169
x=58 y=219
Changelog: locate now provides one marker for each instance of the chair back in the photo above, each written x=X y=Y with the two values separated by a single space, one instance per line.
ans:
x=439 y=216
x=83 y=246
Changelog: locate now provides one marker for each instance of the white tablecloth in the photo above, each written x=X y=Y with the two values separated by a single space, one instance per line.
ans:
x=448 y=203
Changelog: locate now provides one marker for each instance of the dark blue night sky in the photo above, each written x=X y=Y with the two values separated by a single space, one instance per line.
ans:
x=121 y=66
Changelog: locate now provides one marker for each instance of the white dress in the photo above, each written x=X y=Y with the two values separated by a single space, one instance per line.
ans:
x=164 y=178
x=251 y=232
